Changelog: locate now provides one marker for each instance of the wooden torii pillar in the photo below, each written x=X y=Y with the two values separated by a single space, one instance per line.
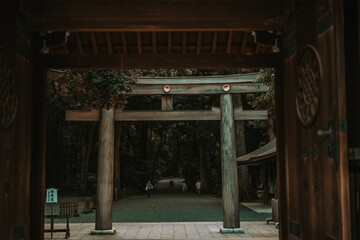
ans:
x=230 y=188
x=223 y=85
x=105 y=172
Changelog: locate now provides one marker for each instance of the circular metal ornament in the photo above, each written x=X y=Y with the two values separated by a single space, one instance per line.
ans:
x=226 y=87
x=167 y=88
x=8 y=92
x=307 y=96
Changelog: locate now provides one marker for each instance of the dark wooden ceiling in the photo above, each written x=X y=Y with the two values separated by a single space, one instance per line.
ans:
x=162 y=49
x=157 y=15
x=157 y=33
x=186 y=42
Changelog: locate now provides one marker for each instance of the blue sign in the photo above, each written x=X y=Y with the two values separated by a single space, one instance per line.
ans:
x=51 y=195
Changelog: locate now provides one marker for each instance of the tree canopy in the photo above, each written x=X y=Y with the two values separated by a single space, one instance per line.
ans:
x=94 y=89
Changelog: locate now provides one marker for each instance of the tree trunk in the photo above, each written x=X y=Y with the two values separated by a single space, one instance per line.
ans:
x=117 y=160
x=243 y=171
x=87 y=145
x=203 y=167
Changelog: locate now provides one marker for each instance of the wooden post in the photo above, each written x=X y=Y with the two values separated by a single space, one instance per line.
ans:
x=230 y=190
x=167 y=103
x=105 y=172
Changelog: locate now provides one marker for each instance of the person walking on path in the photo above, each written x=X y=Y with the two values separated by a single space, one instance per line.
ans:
x=198 y=187
x=148 y=188
x=184 y=186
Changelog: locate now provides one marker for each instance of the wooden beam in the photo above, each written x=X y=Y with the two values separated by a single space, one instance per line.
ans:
x=244 y=41
x=213 y=49
x=79 y=44
x=184 y=43
x=257 y=48
x=229 y=42
x=158 y=61
x=65 y=48
x=160 y=115
x=199 y=40
x=154 y=42
x=127 y=15
x=169 y=42
x=94 y=43
x=192 y=89
x=178 y=47
x=201 y=80
x=108 y=41
x=167 y=103
x=138 y=36
x=124 y=44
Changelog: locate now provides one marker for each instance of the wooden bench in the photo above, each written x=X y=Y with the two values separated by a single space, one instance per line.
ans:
x=67 y=210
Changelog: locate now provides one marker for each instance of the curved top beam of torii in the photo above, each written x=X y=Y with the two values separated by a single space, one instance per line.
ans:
x=216 y=79
x=168 y=86
x=234 y=83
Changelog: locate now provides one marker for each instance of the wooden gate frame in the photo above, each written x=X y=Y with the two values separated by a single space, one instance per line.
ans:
x=39 y=64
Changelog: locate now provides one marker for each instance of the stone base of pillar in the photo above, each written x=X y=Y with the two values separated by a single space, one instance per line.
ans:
x=103 y=232
x=232 y=230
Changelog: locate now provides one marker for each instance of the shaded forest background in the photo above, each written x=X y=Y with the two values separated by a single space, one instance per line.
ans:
x=145 y=150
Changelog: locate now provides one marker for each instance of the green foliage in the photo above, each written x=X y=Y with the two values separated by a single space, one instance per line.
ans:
x=263 y=101
x=94 y=89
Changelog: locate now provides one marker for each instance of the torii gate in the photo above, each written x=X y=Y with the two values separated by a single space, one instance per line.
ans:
x=225 y=85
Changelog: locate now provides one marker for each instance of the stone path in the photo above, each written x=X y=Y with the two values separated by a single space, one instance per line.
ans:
x=171 y=230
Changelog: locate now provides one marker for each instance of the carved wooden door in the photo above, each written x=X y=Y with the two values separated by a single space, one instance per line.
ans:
x=315 y=143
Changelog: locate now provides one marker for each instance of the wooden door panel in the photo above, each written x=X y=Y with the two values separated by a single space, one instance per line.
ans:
x=315 y=161
x=15 y=130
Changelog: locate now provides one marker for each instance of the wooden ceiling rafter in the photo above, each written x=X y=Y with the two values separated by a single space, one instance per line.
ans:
x=123 y=40
x=94 y=43
x=184 y=42
x=244 y=41
x=257 y=48
x=199 y=40
x=159 y=60
x=214 y=42
x=229 y=42
x=138 y=40
x=154 y=42
x=79 y=43
x=169 y=35
x=108 y=42
x=66 y=49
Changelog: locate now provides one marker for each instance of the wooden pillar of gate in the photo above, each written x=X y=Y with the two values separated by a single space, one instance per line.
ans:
x=230 y=190
x=105 y=172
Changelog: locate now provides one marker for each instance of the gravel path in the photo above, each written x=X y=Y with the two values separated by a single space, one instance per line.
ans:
x=170 y=207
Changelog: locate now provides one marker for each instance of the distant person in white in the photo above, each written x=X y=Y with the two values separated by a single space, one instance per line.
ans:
x=198 y=187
